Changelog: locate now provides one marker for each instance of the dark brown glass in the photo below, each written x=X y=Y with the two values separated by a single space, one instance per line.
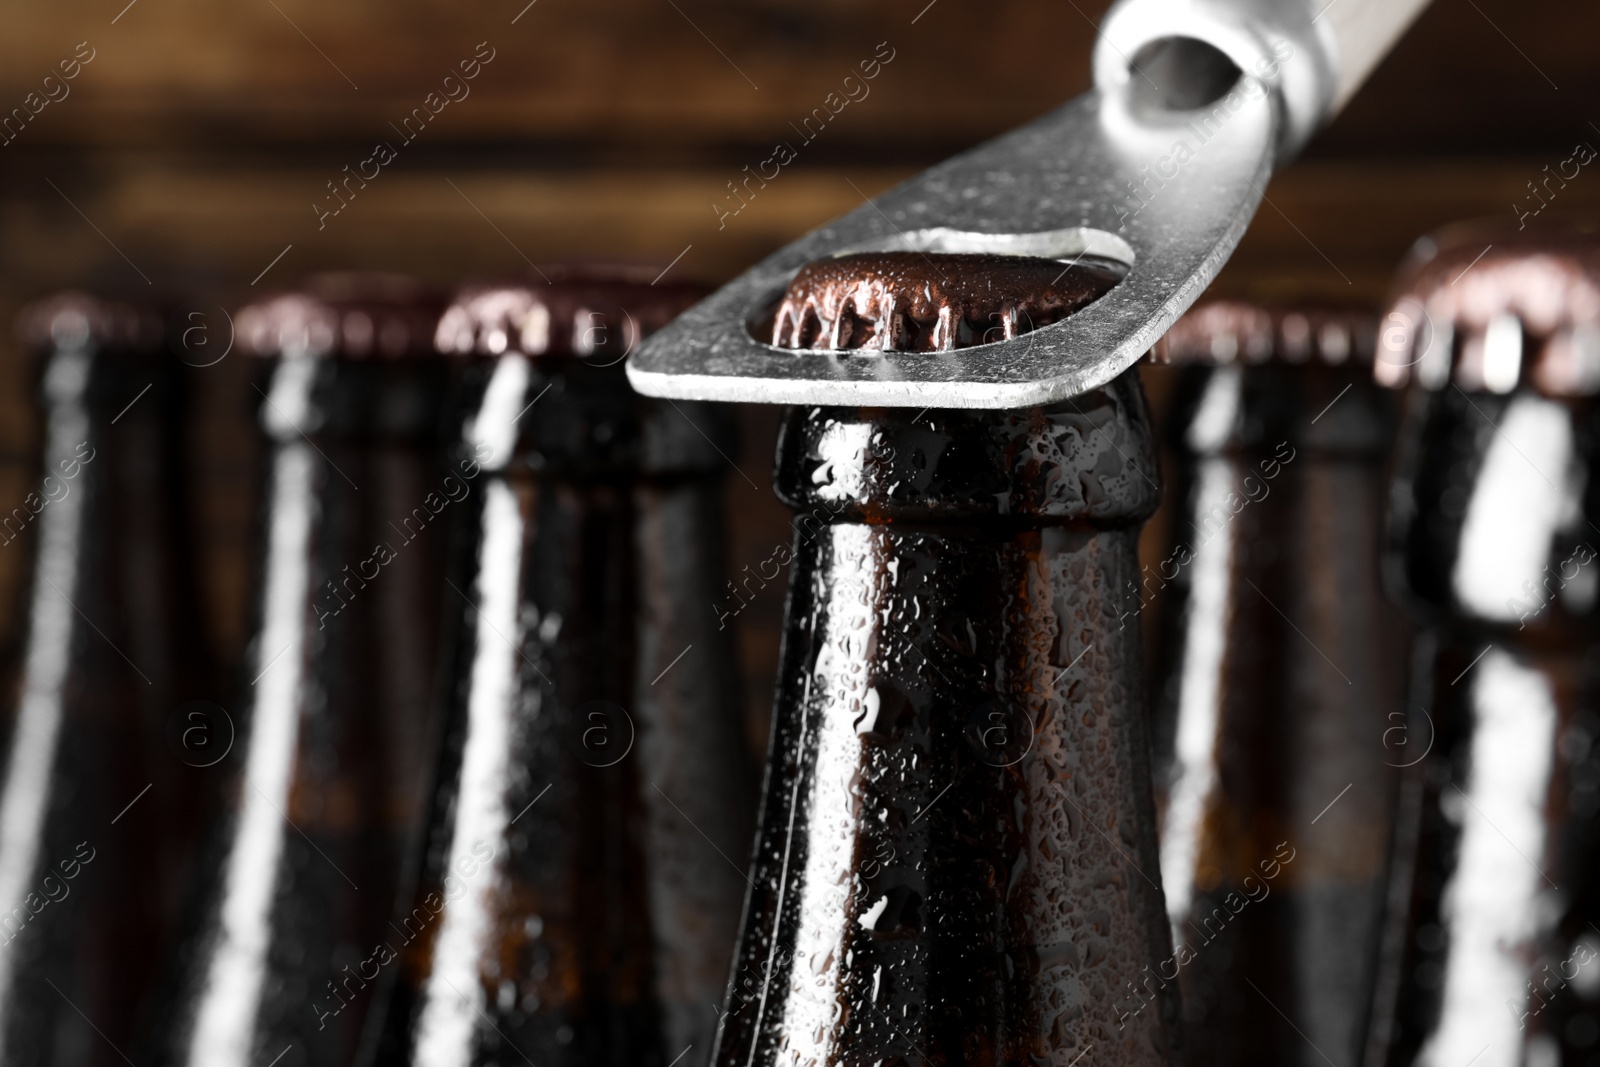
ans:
x=97 y=814
x=1280 y=710
x=1493 y=943
x=328 y=733
x=956 y=861
x=579 y=894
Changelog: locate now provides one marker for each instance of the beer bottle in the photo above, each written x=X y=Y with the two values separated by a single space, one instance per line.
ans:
x=94 y=819
x=1281 y=676
x=1494 y=956
x=579 y=894
x=327 y=738
x=956 y=859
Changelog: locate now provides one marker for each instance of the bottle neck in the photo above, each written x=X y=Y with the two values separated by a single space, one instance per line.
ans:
x=1323 y=412
x=565 y=418
x=1086 y=461
x=320 y=397
x=1493 y=513
x=105 y=509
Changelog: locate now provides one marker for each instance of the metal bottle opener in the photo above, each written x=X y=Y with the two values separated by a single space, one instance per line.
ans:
x=1162 y=180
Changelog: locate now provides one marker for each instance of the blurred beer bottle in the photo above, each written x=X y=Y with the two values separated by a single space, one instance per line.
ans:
x=956 y=861
x=329 y=737
x=96 y=816
x=1280 y=668
x=579 y=895
x=1494 y=955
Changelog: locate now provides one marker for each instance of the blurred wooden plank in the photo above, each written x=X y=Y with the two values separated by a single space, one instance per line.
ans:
x=1486 y=76
x=690 y=76
x=649 y=71
x=177 y=216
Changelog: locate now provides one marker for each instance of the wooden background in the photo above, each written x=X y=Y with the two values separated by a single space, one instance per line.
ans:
x=187 y=154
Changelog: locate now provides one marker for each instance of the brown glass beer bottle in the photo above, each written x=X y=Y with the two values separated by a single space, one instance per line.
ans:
x=1280 y=674
x=1494 y=955
x=579 y=895
x=93 y=819
x=328 y=738
x=956 y=861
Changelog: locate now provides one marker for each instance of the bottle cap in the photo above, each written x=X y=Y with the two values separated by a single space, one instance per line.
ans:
x=931 y=302
x=73 y=318
x=1221 y=332
x=597 y=318
x=344 y=316
x=1491 y=308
